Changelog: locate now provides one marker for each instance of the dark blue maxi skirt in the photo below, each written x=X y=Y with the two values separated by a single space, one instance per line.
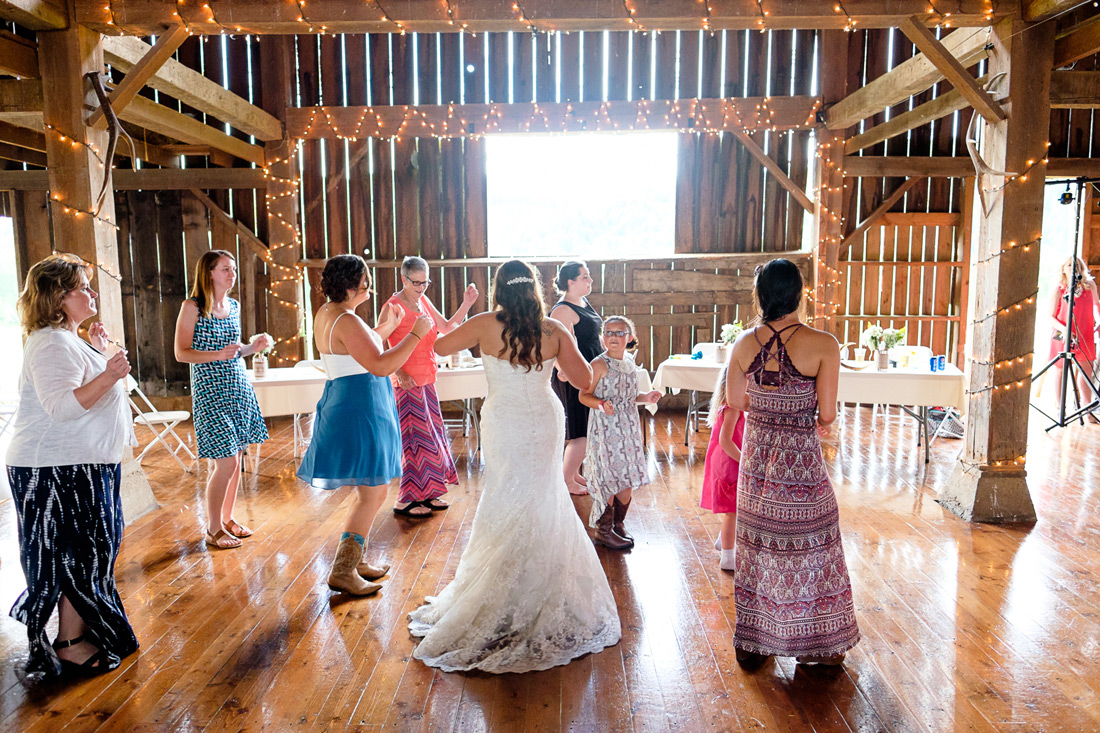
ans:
x=70 y=526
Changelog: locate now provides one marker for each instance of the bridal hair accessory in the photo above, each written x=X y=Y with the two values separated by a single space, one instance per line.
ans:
x=757 y=270
x=515 y=280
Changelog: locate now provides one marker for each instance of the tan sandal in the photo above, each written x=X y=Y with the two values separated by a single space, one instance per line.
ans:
x=215 y=540
x=236 y=529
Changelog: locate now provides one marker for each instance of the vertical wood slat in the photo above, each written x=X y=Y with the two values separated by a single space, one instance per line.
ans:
x=125 y=271
x=475 y=212
x=147 y=322
x=642 y=49
x=569 y=63
x=429 y=185
x=31 y=220
x=618 y=62
x=336 y=186
x=592 y=61
x=545 y=51
x=499 y=46
x=687 y=188
x=172 y=286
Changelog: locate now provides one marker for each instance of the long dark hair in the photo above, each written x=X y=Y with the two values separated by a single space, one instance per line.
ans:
x=517 y=298
x=778 y=289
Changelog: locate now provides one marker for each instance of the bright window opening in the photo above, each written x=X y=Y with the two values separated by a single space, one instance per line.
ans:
x=591 y=195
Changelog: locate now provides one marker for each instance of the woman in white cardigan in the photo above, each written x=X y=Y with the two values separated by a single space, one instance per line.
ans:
x=64 y=466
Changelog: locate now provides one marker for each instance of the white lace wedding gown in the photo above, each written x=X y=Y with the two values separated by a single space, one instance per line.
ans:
x=529 y=592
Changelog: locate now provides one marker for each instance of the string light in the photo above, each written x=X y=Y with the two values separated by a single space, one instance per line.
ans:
x=517 y=6
x=387 y=19
x=630 y=12
x=762 y=22
x=451 y=14
x=850 y=22
x=1012 y=246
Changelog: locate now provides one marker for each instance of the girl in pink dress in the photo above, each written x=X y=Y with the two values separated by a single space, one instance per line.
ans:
x=1082 y=343
x=727 y=428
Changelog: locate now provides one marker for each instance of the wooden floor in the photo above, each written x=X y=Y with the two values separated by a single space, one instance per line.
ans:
x=965 y=627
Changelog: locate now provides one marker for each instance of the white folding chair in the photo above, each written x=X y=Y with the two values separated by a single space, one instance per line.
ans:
x=160 y=422
x=301 y=441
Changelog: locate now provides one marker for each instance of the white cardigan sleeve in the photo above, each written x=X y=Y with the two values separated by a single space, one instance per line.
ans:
x=56 y=371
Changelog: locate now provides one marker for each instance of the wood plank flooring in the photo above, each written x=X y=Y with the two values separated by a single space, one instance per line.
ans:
x=965 y=627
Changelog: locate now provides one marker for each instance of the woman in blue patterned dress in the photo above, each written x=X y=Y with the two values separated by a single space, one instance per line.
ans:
x=226 y=414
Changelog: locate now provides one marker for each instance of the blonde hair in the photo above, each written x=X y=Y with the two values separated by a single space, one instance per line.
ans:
x=202 y=289
x=1082 y=272
x=718 y=397
x=47 y=284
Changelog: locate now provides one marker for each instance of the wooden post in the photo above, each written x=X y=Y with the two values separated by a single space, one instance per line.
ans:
x=77 y=168
x=989 y=483
x=284 y=293
x=828 y=208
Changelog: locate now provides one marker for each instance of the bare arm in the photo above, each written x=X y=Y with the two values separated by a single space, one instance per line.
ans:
x=389 y=318
x=570 y=361
x=725 y=435
x=588 y=396
x=446 y=325
x=828 y=379
x=1053 y=310
x=466 y=336
x=737 y=383
x=185 y=333
x=355 y=335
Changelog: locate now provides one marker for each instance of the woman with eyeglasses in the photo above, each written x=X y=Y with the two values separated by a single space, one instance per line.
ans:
x=427 y=467
x=574 y=284
x=355 y=436
x=64 y=467
x=226 y=414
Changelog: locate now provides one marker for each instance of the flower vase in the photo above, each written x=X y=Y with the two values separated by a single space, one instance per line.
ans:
x=721 y=353
x=259 y=366
x=882 y=360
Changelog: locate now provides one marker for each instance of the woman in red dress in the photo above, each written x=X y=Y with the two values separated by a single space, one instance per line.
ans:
x=1086 y=306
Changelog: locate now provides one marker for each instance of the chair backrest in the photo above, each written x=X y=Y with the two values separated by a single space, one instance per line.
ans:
x=306 y=363
x=134 y=390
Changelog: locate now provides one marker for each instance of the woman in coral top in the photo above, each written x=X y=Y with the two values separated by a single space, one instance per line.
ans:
x=427 y=467
x=1083 y=341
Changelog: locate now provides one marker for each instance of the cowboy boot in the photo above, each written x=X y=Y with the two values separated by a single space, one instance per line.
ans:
x=605 y=532
x=343 y=576
x=368 y=571
x=619 y=513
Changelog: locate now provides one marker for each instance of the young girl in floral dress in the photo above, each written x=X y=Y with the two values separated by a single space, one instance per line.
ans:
x=727 y=429
x=615 y=461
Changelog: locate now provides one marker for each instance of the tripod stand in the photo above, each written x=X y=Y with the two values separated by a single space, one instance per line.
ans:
x=1072 y=372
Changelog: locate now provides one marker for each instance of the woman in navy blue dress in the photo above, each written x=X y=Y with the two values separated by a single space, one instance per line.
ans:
x=356 y=439
x=226 y=414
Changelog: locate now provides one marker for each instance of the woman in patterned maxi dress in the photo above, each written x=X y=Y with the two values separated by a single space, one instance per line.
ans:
x=615 y=460
x=793 y=594
x=226 y=414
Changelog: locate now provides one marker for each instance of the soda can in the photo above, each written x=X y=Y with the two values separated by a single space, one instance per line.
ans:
x=941 y=363
x=933 y=362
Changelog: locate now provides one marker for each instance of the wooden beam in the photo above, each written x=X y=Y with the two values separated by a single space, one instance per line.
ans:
x=1035 y=10
x=957 y=167
x=774 y=168
x=718 y=261
x=1077 y=43
x=461 y=120
x=18 y=56
x=21 y=102
x=22 y=155
x=878 y=213
x=35 y=15
x=910 y=77
x=955 y=73
x=243 y=232
x=140 y=73
x=142 y=17
x=23 y=137
x=152 y=116
x=151 y=179
x=1075 y=89
x=194 y=89
x=941 y=106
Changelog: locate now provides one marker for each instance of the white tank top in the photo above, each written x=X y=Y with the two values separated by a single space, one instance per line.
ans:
x=340 y=365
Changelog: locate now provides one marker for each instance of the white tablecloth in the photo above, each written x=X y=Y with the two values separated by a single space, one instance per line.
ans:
x=290 y=391
x=866 y=386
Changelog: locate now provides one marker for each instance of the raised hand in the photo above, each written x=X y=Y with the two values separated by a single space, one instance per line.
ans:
x=97 y=335
x=118 y=366
x=389 y=317
x=261 y=343
x=470 y=295
x=422 y=325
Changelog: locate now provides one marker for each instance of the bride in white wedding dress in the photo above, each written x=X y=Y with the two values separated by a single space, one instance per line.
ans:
x=529 y=592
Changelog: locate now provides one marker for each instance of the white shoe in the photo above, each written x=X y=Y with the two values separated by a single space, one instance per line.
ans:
x=718 y=542
x=728 y=561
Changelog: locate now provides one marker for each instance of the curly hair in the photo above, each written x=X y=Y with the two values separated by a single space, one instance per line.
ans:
x=632 y=340
x=778 y=289
x=517 y=298
x=47 y=284
x=341 y=274
x=570 y=270
x=202 y=289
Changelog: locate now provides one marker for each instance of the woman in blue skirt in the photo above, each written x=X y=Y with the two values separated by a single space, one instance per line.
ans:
x=356 y=440
x=227 y=416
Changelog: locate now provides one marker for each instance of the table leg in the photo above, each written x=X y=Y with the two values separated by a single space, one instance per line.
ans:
x=924 y=427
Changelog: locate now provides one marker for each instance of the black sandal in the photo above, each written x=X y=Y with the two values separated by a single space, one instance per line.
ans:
x=99 y=663
x=434 y=506
x=408 y=511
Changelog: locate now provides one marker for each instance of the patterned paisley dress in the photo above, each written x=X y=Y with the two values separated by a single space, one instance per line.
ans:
x=793 y=593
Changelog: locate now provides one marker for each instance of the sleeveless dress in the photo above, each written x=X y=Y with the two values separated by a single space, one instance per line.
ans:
x=355 y=437
x=427 y=466
x=587 y=332
x=529 y=592
x=226 y=414
x=792 y=592
x=719 y=469
x=1084 y=323
x=615 y=459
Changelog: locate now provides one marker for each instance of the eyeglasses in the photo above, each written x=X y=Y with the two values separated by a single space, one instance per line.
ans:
x=619 y=334
x=418 y=283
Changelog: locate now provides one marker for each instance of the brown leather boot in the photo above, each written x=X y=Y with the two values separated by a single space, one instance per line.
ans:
x=605 y=532
x=619 y=513
x=343 y=576
x=372 y=572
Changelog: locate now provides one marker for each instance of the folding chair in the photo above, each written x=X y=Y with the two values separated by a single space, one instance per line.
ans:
x=160 y=422
x=301 y=440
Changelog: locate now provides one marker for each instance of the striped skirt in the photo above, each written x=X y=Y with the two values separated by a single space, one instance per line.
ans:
x=426 y=463
x=70 y=526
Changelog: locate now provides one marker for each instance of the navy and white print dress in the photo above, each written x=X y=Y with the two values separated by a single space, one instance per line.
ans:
x=227 y=416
